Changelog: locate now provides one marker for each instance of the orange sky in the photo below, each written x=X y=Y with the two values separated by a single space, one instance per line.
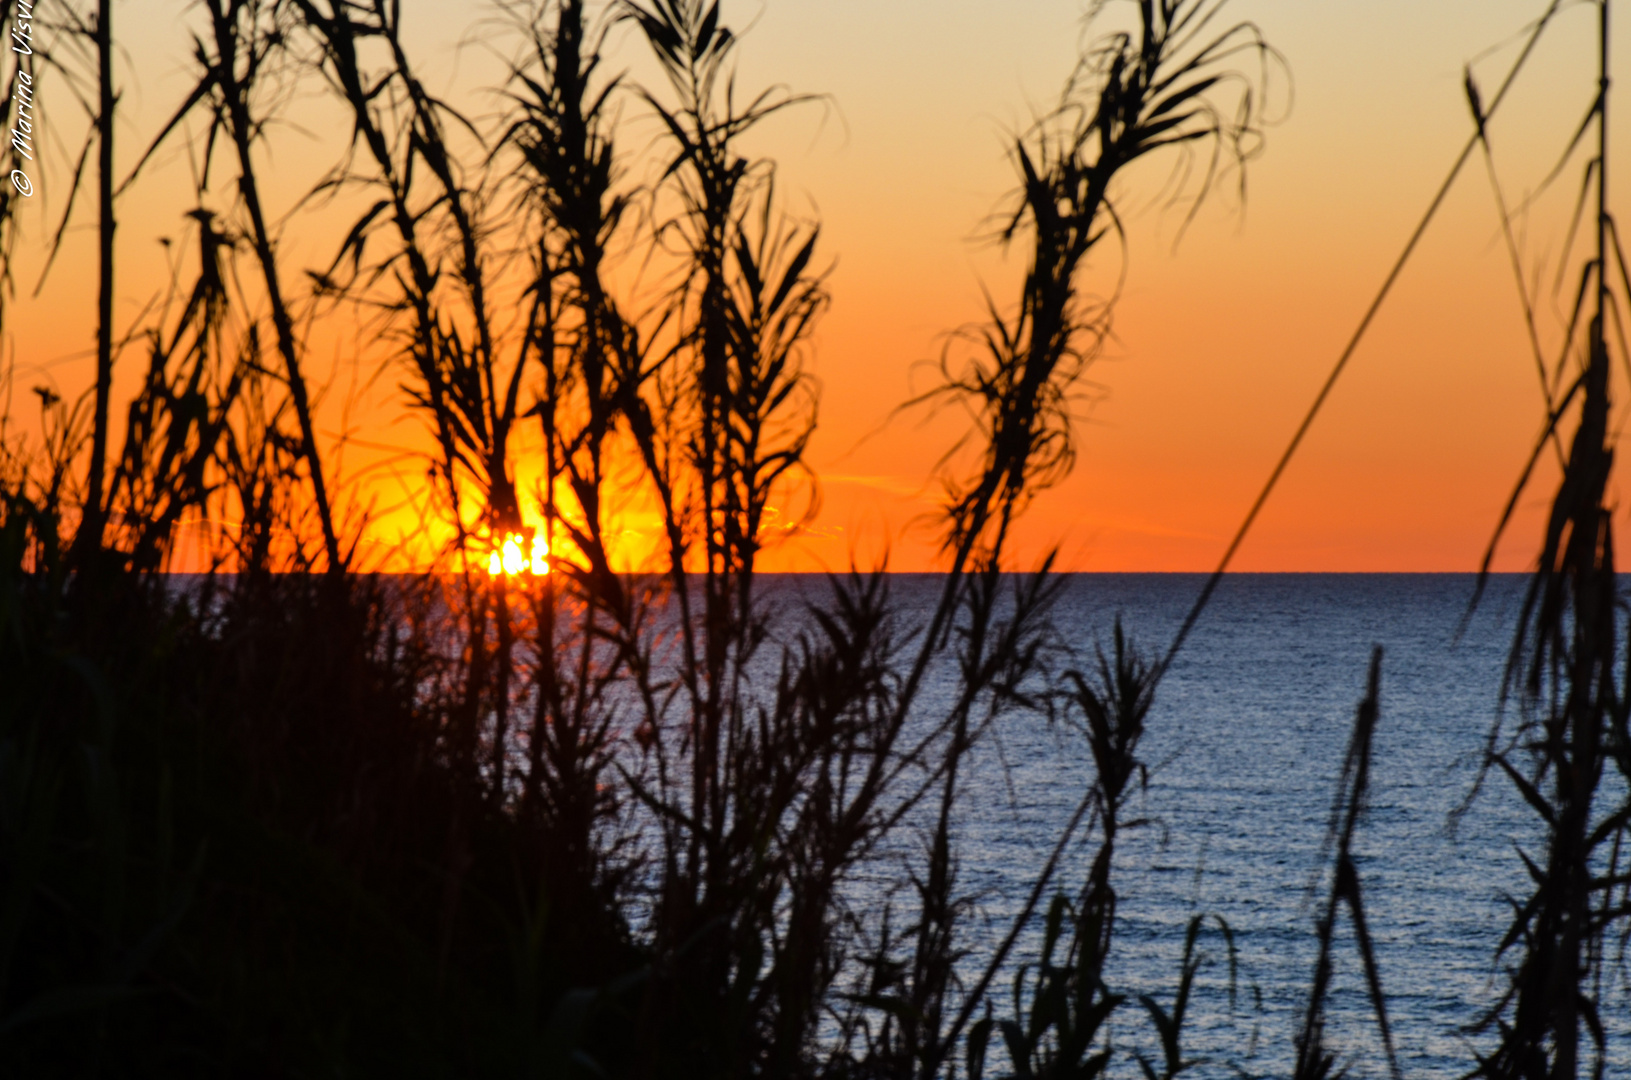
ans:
x=1220 y=344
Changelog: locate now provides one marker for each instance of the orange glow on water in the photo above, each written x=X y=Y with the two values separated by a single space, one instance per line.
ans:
x=512 y=559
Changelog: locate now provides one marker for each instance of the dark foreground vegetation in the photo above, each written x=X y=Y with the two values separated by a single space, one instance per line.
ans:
x=290 y=819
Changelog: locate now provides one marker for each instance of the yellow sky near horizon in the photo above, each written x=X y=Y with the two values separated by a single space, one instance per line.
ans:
x=1221 y=340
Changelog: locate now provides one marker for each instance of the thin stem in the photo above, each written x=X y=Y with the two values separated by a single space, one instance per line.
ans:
x=92 y=526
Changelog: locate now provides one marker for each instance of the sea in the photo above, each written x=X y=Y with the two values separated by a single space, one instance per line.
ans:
x=1244 y=746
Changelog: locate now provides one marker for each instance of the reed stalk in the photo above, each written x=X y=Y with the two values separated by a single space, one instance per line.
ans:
x=229 y=20
x=89 y=538
x=1562 y=674
x=1314 y=1061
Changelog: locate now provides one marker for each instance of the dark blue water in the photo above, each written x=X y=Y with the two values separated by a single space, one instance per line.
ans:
x=1245 y=744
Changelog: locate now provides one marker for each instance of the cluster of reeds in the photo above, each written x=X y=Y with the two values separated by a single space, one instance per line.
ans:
x=625 y=784
x=1563 y=674
x=584 y=821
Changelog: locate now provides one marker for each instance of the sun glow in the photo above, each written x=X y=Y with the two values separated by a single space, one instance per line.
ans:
x=511 y=557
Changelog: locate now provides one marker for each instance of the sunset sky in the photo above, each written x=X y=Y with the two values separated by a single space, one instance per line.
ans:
x=1222 y=339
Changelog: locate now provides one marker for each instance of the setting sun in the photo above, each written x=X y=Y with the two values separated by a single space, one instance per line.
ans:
x=511 y=557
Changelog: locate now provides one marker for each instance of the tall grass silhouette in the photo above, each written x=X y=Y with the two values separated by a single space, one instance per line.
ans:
x=1562 y=676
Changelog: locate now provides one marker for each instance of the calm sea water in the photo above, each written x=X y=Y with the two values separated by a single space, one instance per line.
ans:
x=1245 y=743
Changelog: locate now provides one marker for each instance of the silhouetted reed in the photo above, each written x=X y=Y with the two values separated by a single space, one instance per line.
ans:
x=248 y=34
x=1314 y=1061
x=1562 y=675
